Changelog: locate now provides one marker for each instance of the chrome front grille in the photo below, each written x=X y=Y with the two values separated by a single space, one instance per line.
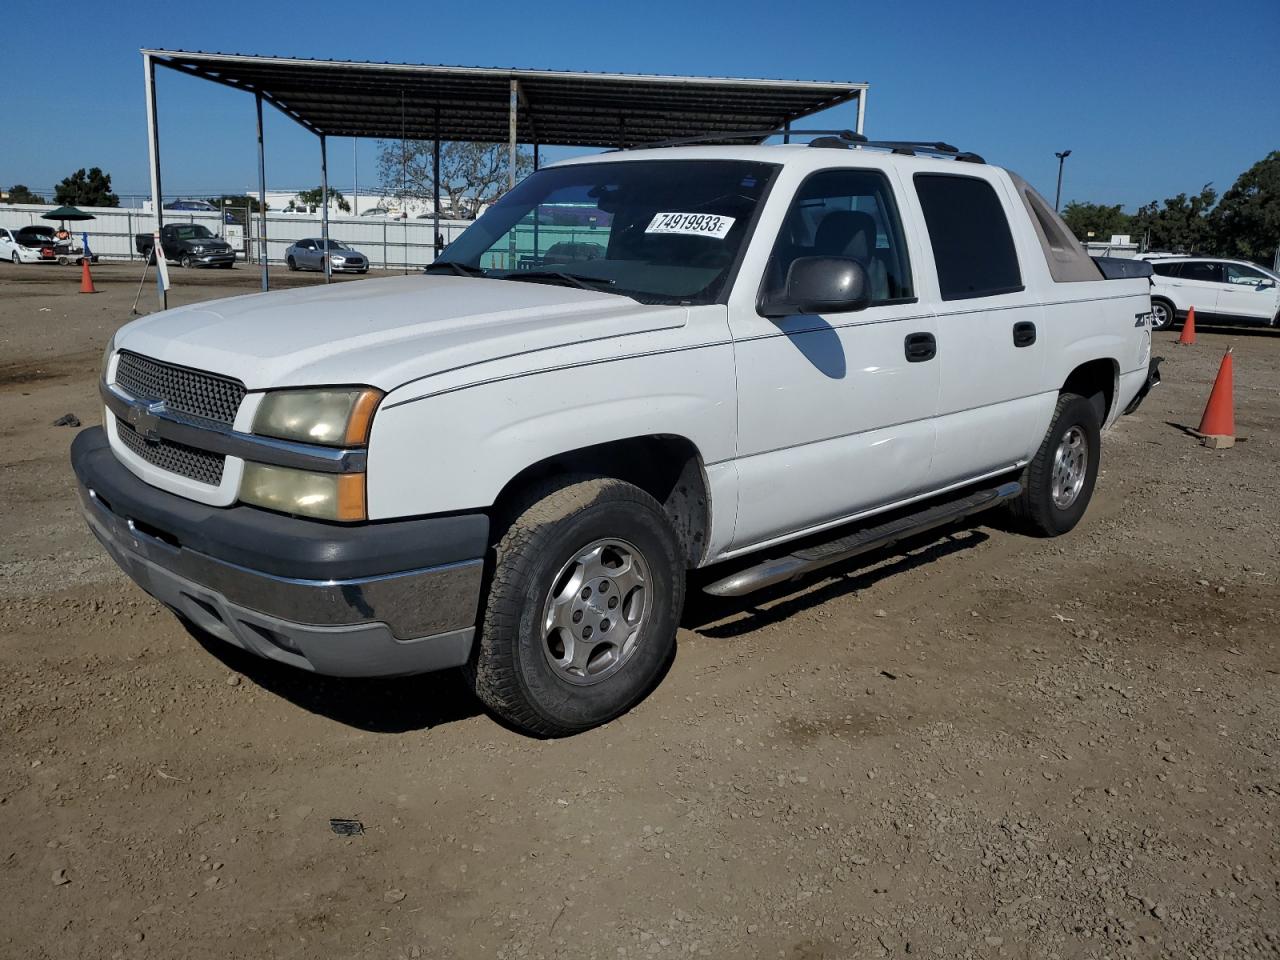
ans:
x=185 y=461
x=193 y=392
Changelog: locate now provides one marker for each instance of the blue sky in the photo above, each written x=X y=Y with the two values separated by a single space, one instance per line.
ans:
x=1153 y=98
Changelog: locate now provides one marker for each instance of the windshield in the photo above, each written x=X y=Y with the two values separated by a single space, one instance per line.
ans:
x=192 y=231
x=333 y=245
x=661 y=231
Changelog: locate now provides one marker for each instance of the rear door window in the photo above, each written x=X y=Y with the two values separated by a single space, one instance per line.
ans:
x=972 y=244
x=1166 y=269
x=1204 y=271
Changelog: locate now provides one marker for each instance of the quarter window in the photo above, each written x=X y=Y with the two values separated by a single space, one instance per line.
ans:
x=972 y=246
x=845 y=213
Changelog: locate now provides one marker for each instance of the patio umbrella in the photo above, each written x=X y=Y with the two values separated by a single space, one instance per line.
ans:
x=67 y=213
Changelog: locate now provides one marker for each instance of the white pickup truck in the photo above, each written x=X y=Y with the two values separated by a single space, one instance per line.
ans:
x=764 y=358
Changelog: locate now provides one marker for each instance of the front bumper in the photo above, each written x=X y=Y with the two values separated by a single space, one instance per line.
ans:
x=384 y=599
x=220 y=259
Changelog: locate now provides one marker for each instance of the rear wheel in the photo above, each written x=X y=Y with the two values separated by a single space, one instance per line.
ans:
x=1162 y=314
x=580 y=618
x=1058 y=483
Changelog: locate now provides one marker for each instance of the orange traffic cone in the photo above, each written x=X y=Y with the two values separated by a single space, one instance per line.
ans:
x=86 y=278
x=1188 y=337
x=1218 y=425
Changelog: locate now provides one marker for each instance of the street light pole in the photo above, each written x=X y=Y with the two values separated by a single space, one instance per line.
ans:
x=1057 y=200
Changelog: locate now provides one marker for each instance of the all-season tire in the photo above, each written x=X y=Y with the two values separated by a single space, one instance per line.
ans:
x=522 y=669
x=17 y=260
x=1054 y=496
x=293 y=264
x=1162 y=314
x=185 y=262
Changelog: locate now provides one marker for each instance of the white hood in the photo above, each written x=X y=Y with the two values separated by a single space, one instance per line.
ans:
x=383 y=332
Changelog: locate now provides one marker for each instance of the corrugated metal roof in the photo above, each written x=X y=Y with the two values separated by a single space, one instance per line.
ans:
x=341 y=98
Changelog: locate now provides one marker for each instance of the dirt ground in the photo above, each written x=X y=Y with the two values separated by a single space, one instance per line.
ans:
x=982 y=746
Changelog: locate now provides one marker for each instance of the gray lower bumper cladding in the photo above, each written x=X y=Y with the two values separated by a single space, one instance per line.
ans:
x=384 y=624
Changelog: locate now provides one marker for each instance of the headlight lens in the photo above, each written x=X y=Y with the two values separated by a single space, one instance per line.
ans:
x=106 y=356
x=334 y=417
x=326 y=496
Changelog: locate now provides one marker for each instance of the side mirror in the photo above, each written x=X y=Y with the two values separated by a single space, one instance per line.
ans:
x=1267 y=285
x=821 y=285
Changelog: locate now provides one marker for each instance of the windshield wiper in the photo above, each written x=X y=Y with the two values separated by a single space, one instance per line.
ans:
x=561 y=277
x=461 y=269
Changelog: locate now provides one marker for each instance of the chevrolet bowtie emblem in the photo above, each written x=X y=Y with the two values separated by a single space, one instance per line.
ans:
x=145 y=418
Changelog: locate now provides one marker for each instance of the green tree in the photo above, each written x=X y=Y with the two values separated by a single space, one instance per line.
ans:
x=307 y=199
x=91 y=189
x=1096 y=221
x=1246 y=223
x=1180 y=225
x=471 y=174
x=19 y=193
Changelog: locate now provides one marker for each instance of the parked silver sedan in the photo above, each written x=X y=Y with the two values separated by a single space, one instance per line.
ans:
x=309 y=255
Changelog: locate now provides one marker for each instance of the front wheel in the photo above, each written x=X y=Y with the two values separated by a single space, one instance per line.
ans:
x=17 y=261
x=1161 y=315
x=292 y=263
x=584 y=598
x=1058 y=483
x=185 y=262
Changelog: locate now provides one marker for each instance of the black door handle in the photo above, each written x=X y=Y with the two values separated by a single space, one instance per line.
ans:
x=1024 y=333
x=920 y=347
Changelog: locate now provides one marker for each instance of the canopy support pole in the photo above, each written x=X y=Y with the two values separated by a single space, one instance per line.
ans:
x=511 y=134
x=153 y=156
x=324 y=209
x=262 y=197
x=862 y=109
x=436 y=240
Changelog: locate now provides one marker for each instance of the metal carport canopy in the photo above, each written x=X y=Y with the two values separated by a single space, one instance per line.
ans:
x=389 y=100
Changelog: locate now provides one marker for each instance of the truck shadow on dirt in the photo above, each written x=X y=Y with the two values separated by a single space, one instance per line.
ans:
x=726 y=617
x=396 y=705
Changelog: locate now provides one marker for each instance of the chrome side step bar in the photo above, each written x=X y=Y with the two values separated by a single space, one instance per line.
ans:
x=804 y=561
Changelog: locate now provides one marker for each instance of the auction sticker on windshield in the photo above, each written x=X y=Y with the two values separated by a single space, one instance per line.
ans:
x=691 y=224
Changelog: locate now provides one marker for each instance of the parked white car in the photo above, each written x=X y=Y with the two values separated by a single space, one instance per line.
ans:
x=776 y=358
x=28 y=245
x=1231 y=291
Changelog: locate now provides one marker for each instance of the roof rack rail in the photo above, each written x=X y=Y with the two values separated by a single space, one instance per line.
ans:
x=829 y=139
x=727 y=136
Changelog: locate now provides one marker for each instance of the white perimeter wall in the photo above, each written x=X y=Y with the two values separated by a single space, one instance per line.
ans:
x=387 y=243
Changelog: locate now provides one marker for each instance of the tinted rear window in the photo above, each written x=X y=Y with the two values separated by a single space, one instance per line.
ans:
x=1207 y=272
x=972 y=245
x=1166 y=269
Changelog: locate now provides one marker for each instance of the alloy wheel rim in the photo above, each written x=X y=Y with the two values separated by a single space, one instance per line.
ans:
x=595 y=612
x=1070 y=464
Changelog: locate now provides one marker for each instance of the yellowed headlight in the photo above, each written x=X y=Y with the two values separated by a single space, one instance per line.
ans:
x=325 y=496
x=335 y=417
